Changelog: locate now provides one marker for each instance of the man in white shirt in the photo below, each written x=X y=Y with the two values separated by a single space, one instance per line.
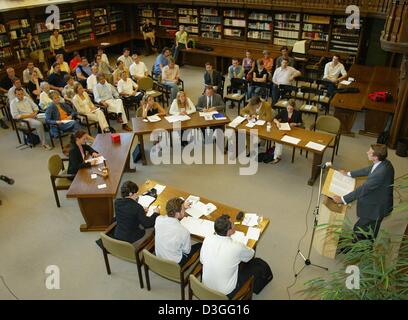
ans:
x=334 y=72
x=91 y=81
x=138 y=68
x=27 y=73
x=16 y=84
x=127 y=89
x=170 y=77
x=285 y=74
x=172 y=239
x=126 y=58
x=221 y=258
x=106 y=95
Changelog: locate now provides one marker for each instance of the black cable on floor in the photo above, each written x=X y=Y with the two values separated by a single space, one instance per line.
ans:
x=7 y=287
x=298 y=246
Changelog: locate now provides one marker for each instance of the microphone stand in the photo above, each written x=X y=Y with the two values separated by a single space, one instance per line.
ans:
x=307 y=260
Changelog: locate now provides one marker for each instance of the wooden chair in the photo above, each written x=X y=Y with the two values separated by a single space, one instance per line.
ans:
x=202 y=292
x=60 y=180
x=123 y=250
x=148 y=85
x=168 y=269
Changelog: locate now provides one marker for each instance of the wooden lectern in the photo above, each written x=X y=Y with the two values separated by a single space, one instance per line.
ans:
x=330 y=221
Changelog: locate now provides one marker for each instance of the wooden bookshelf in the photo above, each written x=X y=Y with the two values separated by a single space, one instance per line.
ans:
x=317 y=30
x=167 y=18
x=189 y=18
x=344 y=40
x=116 y=19
x=234 y=24
x=210 y=23
x=286 y=29
x=260 y=26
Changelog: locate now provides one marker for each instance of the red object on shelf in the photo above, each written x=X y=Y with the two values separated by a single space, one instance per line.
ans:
x=115 y=137
x=92 y=36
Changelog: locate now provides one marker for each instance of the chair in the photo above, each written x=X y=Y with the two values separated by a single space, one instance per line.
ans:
x=202 y=292
x=302 y=82
x=166 y=90
x=5 y=109
x=148 y=85
x=168 y=269
x=123 y=250
x=324 y=99
x=330 y=125
x=58 y=175
x=286 y=92
x=311 y=98
x=240 y=85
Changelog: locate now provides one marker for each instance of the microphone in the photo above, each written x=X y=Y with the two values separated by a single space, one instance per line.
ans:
x=7 y=180
x=325 y=165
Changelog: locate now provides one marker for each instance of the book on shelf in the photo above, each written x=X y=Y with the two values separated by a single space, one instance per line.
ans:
x=235 y=23
x=286 y=34
x=287 y=16
x=187 y=11
x=260 y=16
x=233 y=32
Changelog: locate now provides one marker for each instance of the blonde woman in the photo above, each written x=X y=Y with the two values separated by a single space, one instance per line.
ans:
x=182 y=105
x=83 y=104
x=151 y=107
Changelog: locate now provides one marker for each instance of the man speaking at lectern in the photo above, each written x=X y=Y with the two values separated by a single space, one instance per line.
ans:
x=375 y=196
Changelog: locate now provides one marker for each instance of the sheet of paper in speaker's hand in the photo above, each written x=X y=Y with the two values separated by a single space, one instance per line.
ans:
x=253 y=233
x=99 y=160
x=239 y=236
x=284 y=126
x=151 y=210
x=290 y=139
x=315 y=146
x=145 y=201
x=159 y=188
x=345 y=82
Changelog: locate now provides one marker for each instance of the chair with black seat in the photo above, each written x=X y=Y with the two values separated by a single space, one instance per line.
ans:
x=166 y=91
x=168 y=269
x=202 y=292
x=310 y=105
x=324 y=99
x=24 y=127
x=60 y=180
x=148 y=85
x=123 y=250
x=236 y=92
x=286 y=92
x=304 y=82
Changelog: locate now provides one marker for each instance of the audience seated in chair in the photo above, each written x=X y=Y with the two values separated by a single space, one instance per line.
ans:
x=106 y=95
x=92 y=80
x=23 y=108
x=267 y=61
x=56 y=79
x=284 y=74
x=285 y=55
x=104 y=68
x=16 y=84
x=69 y=92
x=161 y=61
x=33 y=87
x=138 y=68
x=28 y=72
x=103 y=55
x=212 y=77
x=59 y=58
x=151 y=107
x=334 y=72
x=170 y=77
x=120 y=67
x=6 y=82
x=182 y=105
x=45 y=96
x=248 y=63
x=83 y=71
x=75 y=61
x=210 y=101
x=126 y=58
x=133 y=225
x=260 y=76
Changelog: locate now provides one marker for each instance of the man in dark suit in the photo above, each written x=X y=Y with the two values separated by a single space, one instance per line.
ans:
x=210 y=101
x=212 y=78
x=375 y=196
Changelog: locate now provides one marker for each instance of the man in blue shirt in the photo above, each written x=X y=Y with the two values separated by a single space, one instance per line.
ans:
x=161 y=61
x=83 y=71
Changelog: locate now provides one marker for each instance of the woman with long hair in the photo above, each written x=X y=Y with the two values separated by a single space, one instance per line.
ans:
x=182 y=105
x=151 y=107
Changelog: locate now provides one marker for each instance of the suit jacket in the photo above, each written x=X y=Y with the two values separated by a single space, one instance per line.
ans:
x=216 y=79
x=130 y=217
x=52 y=115
x=76 y=161
x=284 y=117
x=265 y=113
x=375 y=196
x=216 y=102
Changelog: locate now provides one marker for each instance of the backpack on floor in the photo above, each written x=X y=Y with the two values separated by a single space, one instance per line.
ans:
x=262 y=274
x=31 y=139
x=137 y=154
x=267 y=156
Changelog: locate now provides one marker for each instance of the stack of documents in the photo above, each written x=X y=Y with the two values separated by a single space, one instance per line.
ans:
x=154 y=118
x=198 y=227
x=159 y=188
x=145 y=201
x=204 y=114
x=345 y=82
x=239 y=236
x=284 y=126
x=99 y=160
x=151 y=210
x=290 y=139
x=236 y=122
x=199 y=209
x=177 y=118
x=253 y=233
x=341 y=184
x=315 y=146
x=250 y=219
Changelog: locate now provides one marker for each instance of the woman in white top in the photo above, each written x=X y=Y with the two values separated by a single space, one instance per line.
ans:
x=83 y=104
x=45 y=98
x=182 y=105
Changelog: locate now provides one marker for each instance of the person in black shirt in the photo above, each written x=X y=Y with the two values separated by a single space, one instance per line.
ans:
x=259 y=77
x=79 y=151
x=132 y=224
x=7 y=81
x=213 y=78
x=56 y=79
x=149 y=35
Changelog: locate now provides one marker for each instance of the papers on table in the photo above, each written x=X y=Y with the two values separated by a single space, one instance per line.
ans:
x=345 y=82
x=250 y=124
x=250 y=219
x=198 y=227
x=284 y=126
x=159 y=188
x=177 y=118
x=151 y=210
x=253 y=233
x=239 y=236
x=199 y=209
x=203 y=114
x=154 y=118
x=102 y=186
x=192 y=199
x=260 y=122
x=236 y=122
x=308 y=107
x=145 y=201
x=105 y=43
x=99 y=160
x=66 y=121
x=341 y=184
x=94 y=176
x=315 y=146
x=290 y=139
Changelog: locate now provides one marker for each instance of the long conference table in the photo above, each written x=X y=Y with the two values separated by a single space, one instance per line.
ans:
x=96 y=204
x=170 y=192
x=142 y=127
x=367 y=80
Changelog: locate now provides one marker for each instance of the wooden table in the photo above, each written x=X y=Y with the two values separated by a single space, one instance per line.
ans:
x=304 y=135
x=97 y=204
x=368 y=79
x=141 y=127
x=170 y=193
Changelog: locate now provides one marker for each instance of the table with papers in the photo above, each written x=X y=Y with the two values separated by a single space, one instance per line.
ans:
x=248 y=231
x=311 y=141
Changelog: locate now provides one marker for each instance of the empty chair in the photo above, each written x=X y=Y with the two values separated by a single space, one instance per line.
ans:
x=60 y=180
x=286 y=92
x=147 y=84
x=123 y=250
x=330 y=125
x=169 y=269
